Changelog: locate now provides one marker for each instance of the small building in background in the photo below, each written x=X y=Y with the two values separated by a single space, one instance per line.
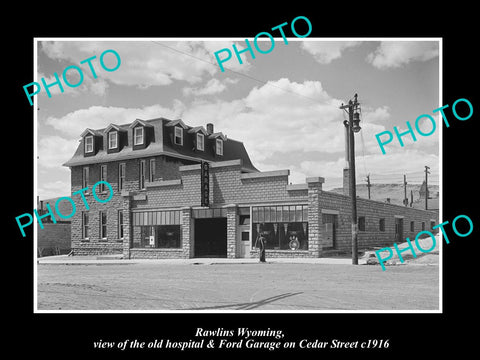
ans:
x=54 y=238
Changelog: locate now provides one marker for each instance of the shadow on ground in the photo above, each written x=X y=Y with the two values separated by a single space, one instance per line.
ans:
x=250 y=305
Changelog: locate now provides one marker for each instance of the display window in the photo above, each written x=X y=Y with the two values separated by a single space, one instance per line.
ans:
x=283 y=227
x=159 y=237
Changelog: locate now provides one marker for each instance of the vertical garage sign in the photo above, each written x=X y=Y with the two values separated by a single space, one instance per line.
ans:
x=205 y=186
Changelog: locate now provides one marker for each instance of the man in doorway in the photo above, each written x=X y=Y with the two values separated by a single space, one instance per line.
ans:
x=260 y=243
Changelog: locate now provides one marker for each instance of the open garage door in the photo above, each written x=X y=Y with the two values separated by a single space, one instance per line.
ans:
x=210 y=237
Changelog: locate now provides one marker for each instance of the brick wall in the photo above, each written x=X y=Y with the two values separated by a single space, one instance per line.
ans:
x=373 y=211
x=314 y=216
x=232 y=221
x=227 y=186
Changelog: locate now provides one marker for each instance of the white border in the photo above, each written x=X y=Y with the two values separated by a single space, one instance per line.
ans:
x=35 y=179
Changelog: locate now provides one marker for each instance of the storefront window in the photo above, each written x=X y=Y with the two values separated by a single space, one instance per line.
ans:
x=284 y=227
x=159 y=236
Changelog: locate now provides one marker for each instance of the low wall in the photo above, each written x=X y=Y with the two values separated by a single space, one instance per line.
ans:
x=157 y=254
x=98 y=248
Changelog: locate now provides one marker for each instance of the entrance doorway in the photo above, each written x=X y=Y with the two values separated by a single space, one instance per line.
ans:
x=330 y=222
x=398 y=230
x=243 y=236
x=210 y=237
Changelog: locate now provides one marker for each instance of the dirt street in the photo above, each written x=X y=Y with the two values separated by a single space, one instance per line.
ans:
x=270 y=286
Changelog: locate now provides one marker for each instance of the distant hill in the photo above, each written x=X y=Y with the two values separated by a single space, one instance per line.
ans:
x=395 y=192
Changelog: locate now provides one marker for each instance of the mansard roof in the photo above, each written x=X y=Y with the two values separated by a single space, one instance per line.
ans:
x=161 y=142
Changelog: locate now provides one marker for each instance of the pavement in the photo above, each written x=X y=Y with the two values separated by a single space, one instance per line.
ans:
x=118 y=259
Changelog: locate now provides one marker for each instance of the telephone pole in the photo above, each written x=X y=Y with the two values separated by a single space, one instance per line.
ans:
x=353 y=127
x=405 y=200
x=368 y=185
x=426 y=186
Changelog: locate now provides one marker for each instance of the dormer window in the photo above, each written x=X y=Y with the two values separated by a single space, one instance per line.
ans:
x=113 y=140
x=200 y=141
x=89 y=144
x=142 y=134
x=178 y=139
x=219 y=147
x=138 y=135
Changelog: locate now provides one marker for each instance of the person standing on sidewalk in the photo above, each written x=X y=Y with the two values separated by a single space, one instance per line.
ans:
x=260 y=243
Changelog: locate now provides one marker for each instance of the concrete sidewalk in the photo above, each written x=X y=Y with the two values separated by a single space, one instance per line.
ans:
x=117 y=259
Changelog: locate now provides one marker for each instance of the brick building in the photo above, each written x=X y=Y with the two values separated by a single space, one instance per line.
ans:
x=155 y=170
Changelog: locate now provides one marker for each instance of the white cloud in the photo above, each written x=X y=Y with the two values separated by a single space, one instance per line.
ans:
x=378 y=115
x=97 y=117
x=213 y=86
x=285 y=117
x=327 y=51
x=146 y=63
x=54 y=150
x=89 y=85
x=232 y=64
x=394 y=54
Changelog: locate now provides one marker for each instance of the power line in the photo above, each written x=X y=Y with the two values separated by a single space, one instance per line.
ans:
x=363 y=151
x=233 y=71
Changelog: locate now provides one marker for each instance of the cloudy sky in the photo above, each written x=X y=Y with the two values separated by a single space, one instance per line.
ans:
x=283 y=105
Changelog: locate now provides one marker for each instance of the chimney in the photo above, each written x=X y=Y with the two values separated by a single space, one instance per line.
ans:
x=209 y=128
x=388 y=200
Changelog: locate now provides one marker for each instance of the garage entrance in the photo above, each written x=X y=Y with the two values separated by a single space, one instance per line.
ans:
x=210 y=237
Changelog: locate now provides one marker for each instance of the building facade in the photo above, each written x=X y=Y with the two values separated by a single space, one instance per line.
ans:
x=166 y=205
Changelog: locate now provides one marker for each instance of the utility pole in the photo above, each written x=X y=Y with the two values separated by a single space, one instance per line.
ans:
x=426 y=186
x=353 y=127
x=368 y=185
x=411 y=198
x=405 y=200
